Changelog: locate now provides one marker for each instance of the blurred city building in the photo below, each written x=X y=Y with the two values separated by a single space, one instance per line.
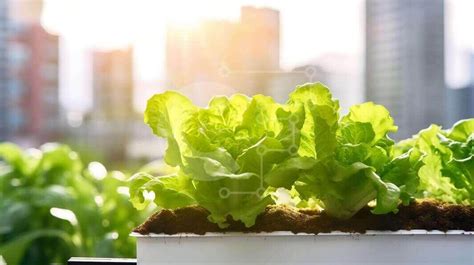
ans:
x=340 y=72
x=282 y=83
x=107 y=127
x=34 y=86
x=224 y=57
x=404 y=64
x=112 y=77
x=31 y=73
x=460 y=104
x=144 y=144
x=404 y=70
x=461 y=100
x=4 y=104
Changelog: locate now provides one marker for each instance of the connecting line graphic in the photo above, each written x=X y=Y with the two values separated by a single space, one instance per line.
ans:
x=310 y=72
x=262 y=151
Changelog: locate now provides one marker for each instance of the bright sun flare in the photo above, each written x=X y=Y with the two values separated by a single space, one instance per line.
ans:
x=111 y=23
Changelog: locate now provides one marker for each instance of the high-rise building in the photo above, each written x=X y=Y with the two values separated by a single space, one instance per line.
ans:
x=224 y=57
x=281 y=84
x=3 y=70
x=29 y=65
x=471 y=69
x=339 y=72
x=112 y=77
x=108 y=126
x=404 y=66
x=461 y=100
x=259 y=45
x=460 y=104
x=33 y=83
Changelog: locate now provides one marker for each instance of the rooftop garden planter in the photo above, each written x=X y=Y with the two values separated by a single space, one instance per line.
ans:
x=374 y=247
x=311 y=237
x=253 y=171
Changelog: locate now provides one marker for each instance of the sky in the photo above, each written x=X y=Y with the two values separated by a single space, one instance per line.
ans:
x=309 y=29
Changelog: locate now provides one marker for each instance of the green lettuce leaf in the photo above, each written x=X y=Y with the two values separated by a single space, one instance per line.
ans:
x=462 y=130
x=403 y=171
x=165 y=114
x=286 y=173
x=235 y=155
x=447 y=159
x=223 y=151
x=351 y=153
x=321 y=116
x=377 y=115
x=170 y=192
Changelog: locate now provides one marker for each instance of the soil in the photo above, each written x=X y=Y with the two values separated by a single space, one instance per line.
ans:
x=427 y=215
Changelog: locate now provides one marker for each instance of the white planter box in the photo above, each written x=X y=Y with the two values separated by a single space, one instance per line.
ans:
x=374 y=247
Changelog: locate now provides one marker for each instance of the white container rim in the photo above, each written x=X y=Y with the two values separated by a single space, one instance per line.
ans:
x=287 y=233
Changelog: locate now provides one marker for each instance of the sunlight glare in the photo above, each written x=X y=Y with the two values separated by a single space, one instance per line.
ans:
x=97 y=170
x=64 y=214
x=108 y=24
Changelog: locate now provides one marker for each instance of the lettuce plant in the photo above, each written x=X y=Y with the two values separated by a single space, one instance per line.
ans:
x=446 y=159
x=236 y=155
x=347 y=154
x=222 y=152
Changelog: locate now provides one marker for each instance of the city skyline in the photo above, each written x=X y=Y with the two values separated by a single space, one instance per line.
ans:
x=222 y=56
x=344 y=35
x=294 y=52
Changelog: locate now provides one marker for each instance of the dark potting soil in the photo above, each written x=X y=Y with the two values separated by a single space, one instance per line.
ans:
x=428 y=215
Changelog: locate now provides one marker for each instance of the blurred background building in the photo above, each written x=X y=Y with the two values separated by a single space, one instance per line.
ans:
x=58 y=84
x=4 y=106
x=405 y=61
x=33 y=83
x=223 y=57
x=108 y=125
x=30 y=80
x=460 y=100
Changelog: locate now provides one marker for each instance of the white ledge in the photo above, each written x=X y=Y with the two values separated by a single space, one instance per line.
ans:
x=334 y=233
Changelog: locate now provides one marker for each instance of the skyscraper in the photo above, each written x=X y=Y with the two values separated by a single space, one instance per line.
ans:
x=223 y=57
x=112 y=77
x=108 y=126
x=29 y=67
x=460 y=104
x=34 y=84
x=3 y=69
x=404 y=64
x=461 y=100
x=340 y=72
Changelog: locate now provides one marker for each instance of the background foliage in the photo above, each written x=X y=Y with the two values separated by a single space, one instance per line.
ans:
x=53 y=207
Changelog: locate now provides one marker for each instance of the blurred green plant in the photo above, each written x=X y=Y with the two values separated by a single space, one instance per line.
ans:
x=52 y=207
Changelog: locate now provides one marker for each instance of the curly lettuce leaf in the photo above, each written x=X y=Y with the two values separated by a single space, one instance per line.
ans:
x=170 y=192
x=233 y=156
x=403 y=171
x=447 y=160
x=165 y=114
x=354 y=150
x=462 y=130
x=223 y=151
x=321 y=115
x=376 y=115
x=286 y=173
